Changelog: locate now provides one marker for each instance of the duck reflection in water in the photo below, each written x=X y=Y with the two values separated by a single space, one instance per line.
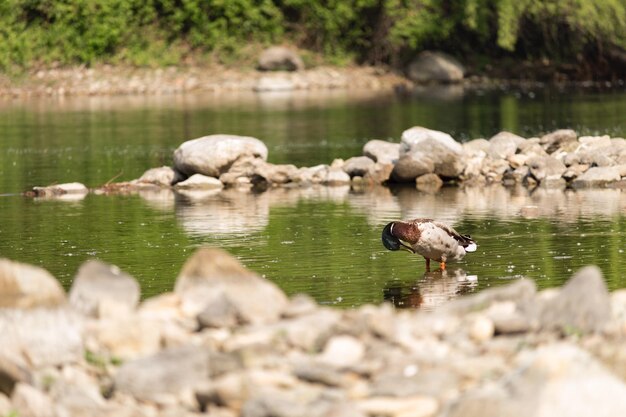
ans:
x=431 y=290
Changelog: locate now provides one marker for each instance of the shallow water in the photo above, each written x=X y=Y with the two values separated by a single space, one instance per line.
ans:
x=321 y=241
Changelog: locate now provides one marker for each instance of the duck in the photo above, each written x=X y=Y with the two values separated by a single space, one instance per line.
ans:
x=432 y=239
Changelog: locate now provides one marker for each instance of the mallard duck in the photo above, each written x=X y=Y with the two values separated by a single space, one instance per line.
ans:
x=429 y=238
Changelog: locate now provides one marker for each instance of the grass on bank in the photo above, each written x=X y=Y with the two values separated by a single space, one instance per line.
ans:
x=157 y=33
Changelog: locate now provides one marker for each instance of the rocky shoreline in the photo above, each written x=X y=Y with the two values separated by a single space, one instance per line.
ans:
x=115 y=80
x=226 y=342
x=281 y=69
x=427 y=158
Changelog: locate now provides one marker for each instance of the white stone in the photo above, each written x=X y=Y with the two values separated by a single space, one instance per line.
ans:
x=416 y=406
x=199 y=181
x=417 y=134
x=343 y=351
x=481 y=329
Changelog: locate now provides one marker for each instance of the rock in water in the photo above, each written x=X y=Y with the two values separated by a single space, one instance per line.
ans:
x=358 y=165
x=504 y=145
x=446 y=153
x=558 y=139
x=382 y=151
x=69 y=189
x=199 y=182
x=597 y=177
x=413 y=165
x=213 y=155
x=162 y=176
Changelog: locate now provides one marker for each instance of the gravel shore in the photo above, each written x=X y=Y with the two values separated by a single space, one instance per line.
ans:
x=114 y=80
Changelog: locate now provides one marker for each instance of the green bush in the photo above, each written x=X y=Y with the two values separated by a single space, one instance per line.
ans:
x=163 y=32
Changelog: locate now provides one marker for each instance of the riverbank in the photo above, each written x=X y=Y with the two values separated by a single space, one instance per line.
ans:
x=226 y=342
x=107 y=80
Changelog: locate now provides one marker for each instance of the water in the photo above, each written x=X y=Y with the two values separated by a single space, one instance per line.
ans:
x=326 y=241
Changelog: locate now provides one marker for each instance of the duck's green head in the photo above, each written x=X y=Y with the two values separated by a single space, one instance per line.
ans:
x=389 y=240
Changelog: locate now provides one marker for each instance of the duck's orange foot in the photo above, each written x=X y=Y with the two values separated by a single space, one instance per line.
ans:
x=442 y=266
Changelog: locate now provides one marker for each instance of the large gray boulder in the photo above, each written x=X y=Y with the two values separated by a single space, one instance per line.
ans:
x=214 y=154
x=446 y=153
x=28 y=286
x=431 y=66
x=278 y=58
x=211 y=275
x=97 y=283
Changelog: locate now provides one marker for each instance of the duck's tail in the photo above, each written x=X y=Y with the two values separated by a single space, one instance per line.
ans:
x=469 y=244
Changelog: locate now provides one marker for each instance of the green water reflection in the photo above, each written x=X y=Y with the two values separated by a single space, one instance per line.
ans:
x=91 y=140
x=324 y=242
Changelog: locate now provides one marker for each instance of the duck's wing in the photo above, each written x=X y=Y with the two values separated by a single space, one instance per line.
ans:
x=464 y=240
x=419 y=222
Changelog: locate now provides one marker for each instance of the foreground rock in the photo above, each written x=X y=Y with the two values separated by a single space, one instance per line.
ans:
x=212 y=276
x=27 y=286
x=227 y=342
x=559 y=379
x=99 y=289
